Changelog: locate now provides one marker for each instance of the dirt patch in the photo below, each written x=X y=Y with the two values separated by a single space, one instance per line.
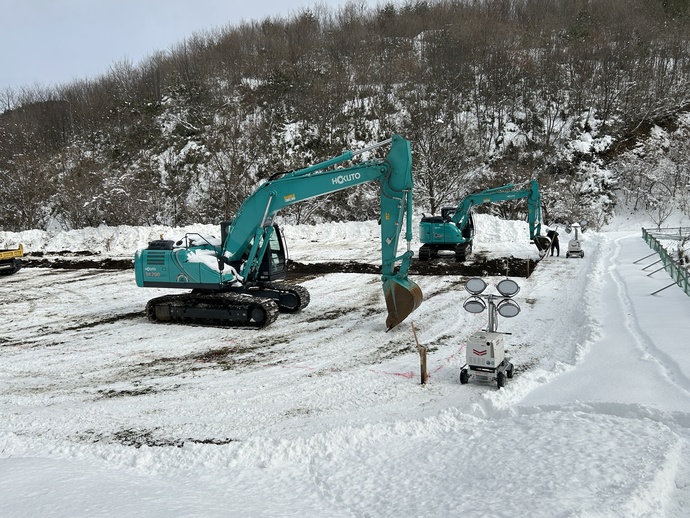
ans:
x=477 y=266
x=224 y=358
x=141 y=437
x=108 y=394
x=106 y=320
x=75 y=261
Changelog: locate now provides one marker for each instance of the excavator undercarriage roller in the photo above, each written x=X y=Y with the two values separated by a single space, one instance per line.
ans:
x=462 y=251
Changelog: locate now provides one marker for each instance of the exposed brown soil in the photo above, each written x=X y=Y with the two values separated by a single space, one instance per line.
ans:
x=475 y=266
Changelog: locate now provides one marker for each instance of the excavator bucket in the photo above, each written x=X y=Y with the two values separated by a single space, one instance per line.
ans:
x=543 y=244
x=403 y=296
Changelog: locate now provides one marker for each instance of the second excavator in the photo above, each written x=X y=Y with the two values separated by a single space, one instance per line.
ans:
x=453 y=230
x=233 y=279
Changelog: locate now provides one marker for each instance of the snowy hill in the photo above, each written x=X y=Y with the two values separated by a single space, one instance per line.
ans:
x=323 y=412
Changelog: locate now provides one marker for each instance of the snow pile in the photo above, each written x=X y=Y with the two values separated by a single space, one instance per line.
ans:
x=323 y=414
x=344 y=241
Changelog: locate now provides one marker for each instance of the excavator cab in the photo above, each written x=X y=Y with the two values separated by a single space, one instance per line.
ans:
x=468 y=230
x=274 y=263
x=447 y=214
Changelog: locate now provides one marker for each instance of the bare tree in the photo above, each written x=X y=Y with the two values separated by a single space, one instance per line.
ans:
x=660 y=204
x=26 y=193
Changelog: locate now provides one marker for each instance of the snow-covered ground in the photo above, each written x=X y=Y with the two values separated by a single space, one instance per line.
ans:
x=323 y=413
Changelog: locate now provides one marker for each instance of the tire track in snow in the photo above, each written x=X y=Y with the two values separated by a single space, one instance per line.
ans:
x=563 y=331
x=644 y=342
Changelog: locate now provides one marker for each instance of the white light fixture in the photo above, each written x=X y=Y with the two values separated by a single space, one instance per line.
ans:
x=474 y=305
x=501 y=304
x=475 y=285
x=508 y=287
x=508 y=308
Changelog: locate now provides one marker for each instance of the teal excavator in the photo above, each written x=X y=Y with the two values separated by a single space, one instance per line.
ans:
x=453 y=230
x=238 y=280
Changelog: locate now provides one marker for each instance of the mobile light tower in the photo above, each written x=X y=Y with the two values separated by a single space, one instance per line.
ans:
x=486 y=360
x=574 y=245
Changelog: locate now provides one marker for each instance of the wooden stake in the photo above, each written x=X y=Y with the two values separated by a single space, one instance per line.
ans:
x=422 y=355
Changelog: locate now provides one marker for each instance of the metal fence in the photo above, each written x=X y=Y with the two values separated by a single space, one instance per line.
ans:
x=674 y=267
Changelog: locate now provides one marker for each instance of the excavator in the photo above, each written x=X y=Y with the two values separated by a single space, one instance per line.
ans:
x=454 y=229
x=10 y=260
x=233 y=279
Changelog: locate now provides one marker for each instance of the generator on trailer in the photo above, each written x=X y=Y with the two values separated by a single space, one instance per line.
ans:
x=486 y=359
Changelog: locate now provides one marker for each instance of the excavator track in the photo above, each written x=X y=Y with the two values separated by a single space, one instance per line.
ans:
x=9 y=267
x=219 y=309
x=292 y=297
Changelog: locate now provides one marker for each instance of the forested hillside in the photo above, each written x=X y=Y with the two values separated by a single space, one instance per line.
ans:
x=588 y=96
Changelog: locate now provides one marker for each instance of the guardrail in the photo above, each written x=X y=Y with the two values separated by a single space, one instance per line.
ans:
x=678 y=272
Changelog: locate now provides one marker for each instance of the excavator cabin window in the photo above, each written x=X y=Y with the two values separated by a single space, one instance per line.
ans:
x=468 y=231
x=274 y=264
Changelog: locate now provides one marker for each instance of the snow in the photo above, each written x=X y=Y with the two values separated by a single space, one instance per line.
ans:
x=323 y=413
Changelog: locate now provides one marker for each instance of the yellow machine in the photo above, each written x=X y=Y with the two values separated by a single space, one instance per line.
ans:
x=9 y=260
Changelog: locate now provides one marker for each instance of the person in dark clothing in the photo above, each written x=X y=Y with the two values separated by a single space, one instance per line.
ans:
x=553 y=236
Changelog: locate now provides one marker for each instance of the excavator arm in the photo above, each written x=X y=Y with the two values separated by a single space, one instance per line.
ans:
x=504 y=193
x=252 y=236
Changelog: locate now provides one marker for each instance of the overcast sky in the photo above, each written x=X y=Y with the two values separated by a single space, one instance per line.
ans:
x=47 y=42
